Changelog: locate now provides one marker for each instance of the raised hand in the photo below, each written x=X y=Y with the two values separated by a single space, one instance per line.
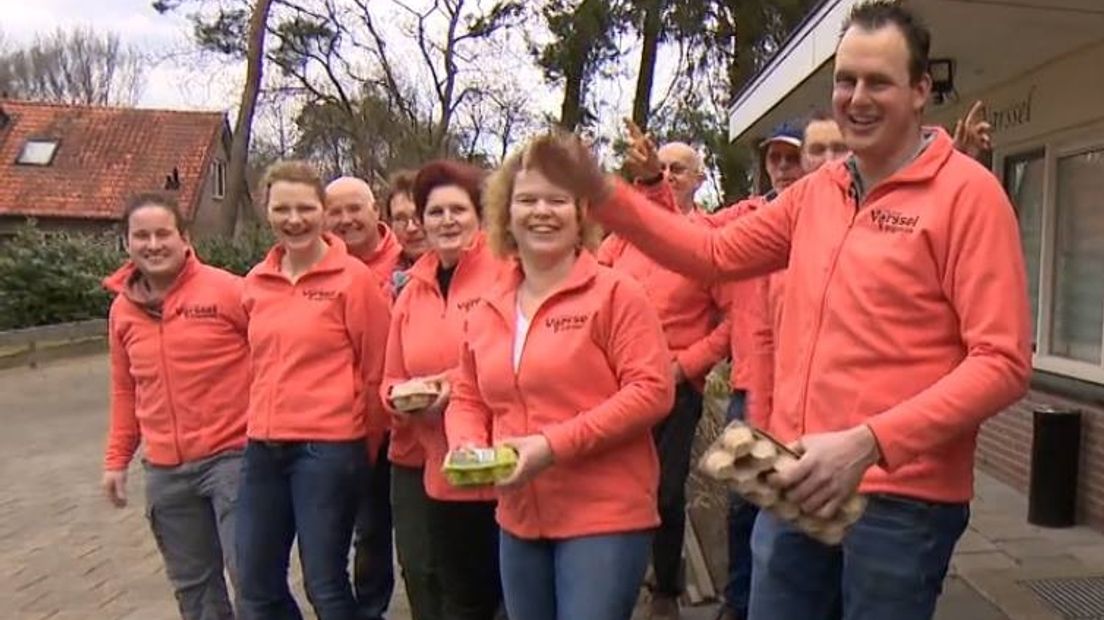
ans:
x=642 y=157
x=973 y=134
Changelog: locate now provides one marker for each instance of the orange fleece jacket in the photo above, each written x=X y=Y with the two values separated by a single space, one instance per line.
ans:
x=317 y=348
x=594 y=378
x=689 y=311
x=906 y=312
x=750 y=342
x=425 y=340
x=384 y=259
x=179 y=382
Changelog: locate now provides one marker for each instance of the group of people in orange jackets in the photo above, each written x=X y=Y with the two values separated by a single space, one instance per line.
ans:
x=873 y=304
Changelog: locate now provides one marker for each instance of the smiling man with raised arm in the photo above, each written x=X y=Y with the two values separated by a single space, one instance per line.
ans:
x=906 y=325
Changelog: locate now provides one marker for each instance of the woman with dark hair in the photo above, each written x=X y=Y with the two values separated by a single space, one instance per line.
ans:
x=317 y=331
x=447 y=538
x=179 y=359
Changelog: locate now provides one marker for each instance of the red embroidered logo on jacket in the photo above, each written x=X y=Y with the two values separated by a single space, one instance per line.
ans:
x=891 y=221
x=563 y=323
x=315 y=294
x=198 y=312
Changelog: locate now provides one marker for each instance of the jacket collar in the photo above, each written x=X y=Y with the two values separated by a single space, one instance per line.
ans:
x=388 y=246
x=503 y=296
x=332 y=261
x=922 y=169
x=425 y=268
x=119 y=281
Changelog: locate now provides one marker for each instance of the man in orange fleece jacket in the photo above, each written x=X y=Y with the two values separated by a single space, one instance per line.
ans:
x=179 y=366
x=351 y=214
x=691 y=316
x=906 y=325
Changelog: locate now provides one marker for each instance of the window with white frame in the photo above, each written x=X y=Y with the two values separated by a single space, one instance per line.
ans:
x=218 y=170
x=1058 y=191
x=37 y=152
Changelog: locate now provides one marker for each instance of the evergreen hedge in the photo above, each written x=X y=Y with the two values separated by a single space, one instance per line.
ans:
x=55 y=277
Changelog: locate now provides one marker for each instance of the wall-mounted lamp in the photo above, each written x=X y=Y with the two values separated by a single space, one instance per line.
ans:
x=942 y=72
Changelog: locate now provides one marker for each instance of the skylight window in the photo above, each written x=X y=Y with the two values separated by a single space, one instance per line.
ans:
x=37 y=153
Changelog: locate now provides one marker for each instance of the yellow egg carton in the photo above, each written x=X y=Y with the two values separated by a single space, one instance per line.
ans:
x=479 y=466
x=743 y=457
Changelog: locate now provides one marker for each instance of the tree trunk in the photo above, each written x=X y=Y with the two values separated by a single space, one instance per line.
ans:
x=236 y=190
x=653 y=25
x=571 y=113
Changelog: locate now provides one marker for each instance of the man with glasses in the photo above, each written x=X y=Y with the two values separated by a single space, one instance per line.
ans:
x=691 y=317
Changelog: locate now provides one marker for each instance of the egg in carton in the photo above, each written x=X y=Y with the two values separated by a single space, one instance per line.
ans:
x=743 y=457
x=468 y=467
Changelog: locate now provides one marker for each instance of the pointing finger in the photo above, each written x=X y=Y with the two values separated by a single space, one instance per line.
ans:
x=971 y=116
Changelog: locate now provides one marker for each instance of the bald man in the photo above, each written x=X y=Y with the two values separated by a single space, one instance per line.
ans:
x=351 y=214
x=684 y=172
x=690 y=313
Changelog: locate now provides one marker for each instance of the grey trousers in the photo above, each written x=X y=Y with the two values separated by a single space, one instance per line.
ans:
x=191 y=512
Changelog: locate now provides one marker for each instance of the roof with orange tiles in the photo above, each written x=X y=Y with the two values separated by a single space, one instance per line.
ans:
x=104 y=156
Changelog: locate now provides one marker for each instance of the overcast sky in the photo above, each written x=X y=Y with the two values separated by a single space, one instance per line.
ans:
x=177 y=78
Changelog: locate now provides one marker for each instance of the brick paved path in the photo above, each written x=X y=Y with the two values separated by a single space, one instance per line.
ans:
x=64 y=553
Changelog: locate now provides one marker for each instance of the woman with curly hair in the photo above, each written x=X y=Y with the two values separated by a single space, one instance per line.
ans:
x=565 y=362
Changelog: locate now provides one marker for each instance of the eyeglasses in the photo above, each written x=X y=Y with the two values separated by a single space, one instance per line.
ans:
x=402 y=221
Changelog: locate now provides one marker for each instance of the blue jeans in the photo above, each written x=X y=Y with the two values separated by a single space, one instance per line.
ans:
x=303 y=489
x=592 y=577
x=373 y=564
x=741 y=519
x=891 y=564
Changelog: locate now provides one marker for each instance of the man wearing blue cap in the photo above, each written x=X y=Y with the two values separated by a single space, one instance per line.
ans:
x=782 y=156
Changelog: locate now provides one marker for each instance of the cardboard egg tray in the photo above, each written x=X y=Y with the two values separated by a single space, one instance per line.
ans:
x=743 y=457
x=411 y=403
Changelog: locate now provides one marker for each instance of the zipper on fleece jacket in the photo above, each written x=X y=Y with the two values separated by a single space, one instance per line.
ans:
x=517 y=390
x=525 y=408
x=854 y=192
x=168 y=389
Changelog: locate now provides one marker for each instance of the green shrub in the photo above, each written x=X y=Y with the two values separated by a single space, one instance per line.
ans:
x=238 y=254
x=55 y=277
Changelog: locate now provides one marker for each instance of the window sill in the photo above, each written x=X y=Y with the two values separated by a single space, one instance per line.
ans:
x=1067 y=387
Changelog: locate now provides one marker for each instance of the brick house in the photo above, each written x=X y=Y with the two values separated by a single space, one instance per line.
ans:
x=1037 y=65
x=74 y=167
